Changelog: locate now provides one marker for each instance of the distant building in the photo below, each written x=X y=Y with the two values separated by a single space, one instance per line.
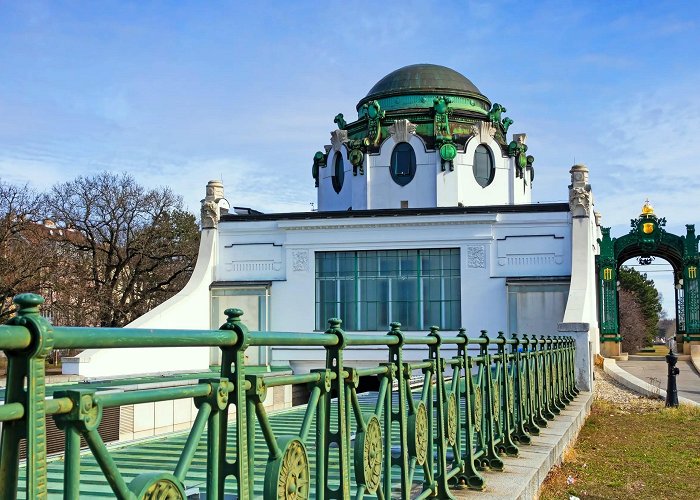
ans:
x=424 y=217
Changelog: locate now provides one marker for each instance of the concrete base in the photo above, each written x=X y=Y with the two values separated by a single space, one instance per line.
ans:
x=523 y=475
x=695 y=356
x=610 y=349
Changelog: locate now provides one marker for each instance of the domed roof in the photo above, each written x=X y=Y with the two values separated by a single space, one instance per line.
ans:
x=422 y=79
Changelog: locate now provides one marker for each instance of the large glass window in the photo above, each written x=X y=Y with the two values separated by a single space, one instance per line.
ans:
x=484 y=170
x=338 y=172
x=370 y=289
x=403 y=164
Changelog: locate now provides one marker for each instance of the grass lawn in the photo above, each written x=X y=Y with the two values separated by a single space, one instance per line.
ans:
x=648 y=453
x=659 y=350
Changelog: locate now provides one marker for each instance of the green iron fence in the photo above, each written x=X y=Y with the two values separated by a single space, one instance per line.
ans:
x=471 y=408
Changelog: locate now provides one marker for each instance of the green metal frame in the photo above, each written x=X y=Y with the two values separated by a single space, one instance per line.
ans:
x=469 y=410
x=647 y=237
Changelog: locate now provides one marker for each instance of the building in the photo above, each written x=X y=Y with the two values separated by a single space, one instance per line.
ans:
x=424 y=217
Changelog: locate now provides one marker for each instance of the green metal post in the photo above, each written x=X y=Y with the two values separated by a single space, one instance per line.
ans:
x=233 y=369
x=33 y=426
x=400 y=415
x=71 y=466
x=507 y=446
x=322 y=426
x=519 y=393
x=494 y=461
x=470 y=474
x=440 y=488
x=341 y=436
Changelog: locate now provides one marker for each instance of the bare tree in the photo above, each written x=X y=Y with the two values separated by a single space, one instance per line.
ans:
x=632 y=322
x=25 y=256
x=125 y=249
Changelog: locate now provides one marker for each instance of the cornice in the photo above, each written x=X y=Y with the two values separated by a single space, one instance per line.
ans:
x=334 y=225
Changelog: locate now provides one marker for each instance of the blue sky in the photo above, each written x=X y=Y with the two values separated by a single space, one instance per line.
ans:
x=177 y=93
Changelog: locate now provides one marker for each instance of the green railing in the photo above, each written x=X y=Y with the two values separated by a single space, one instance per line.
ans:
x=471 y=408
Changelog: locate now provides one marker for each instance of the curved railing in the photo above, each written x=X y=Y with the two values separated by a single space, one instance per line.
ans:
x=484 y=399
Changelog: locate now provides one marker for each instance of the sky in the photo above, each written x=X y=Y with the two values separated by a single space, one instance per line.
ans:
x=178 y=93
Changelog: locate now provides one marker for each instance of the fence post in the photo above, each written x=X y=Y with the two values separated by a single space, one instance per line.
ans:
x=341 y=436
x=508 y=395
x=29 y=364
x=233 y=369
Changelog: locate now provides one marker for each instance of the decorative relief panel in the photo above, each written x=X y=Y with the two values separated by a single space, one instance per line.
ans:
x=300 y=260
x=338 y=138
x=526 y=255
x=476 y=256
x=253 y=266
x=252 y=262
x=402 y=130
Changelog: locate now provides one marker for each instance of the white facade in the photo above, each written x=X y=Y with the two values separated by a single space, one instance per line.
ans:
x=485 y=257
x=514 y=269
x=432 y=185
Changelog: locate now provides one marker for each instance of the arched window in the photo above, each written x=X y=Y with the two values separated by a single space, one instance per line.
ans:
x=338 y=172
x=403 y=164
x=483 y=166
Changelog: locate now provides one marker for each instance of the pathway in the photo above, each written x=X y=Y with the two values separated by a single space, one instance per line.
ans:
x=645 y=369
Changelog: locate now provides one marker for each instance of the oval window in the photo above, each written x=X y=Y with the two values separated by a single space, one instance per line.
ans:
x=338 y=172
x=484 y=170
x=403 y=164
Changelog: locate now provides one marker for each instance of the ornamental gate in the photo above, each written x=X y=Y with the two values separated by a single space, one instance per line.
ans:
x=484 y=401
x=647 y=239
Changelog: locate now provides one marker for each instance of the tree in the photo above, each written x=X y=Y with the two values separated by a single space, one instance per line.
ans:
x=25 y=255
x=666 y=328
x=646 y=296
x=126 y=249
x=632 y=322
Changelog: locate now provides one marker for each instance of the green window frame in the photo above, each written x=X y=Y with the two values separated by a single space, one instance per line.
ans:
x=369 y=289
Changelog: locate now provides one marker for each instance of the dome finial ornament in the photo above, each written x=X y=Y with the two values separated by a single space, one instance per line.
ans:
x=647 y=208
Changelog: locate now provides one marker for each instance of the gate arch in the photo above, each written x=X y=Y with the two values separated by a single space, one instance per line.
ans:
x=648 y=238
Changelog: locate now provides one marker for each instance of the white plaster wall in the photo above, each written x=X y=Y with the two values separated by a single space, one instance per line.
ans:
x=582 y=306
x=189 y=309
x=483 y=290
x=328 y=199
x=470 y=192
x=484 y=299
x=361 y=185
x=431 y=186
x=420 y=192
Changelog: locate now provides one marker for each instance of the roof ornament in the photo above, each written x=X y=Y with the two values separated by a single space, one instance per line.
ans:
x=443 y=135
x=340 y=121
x=374 y=114
x=517 y=149
x=495 y=117
x=213 y=205
x=647 y=208
x=319 y=161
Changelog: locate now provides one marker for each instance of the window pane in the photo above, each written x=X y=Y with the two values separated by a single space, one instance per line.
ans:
x=370 y=289
x=338 y=173
x=403 y=164
x=483 y=166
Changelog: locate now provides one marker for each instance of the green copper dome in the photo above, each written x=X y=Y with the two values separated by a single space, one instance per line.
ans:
x=420 y=79
x=421 y=82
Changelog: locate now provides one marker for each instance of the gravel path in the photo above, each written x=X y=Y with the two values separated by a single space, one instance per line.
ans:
x=607 y=389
